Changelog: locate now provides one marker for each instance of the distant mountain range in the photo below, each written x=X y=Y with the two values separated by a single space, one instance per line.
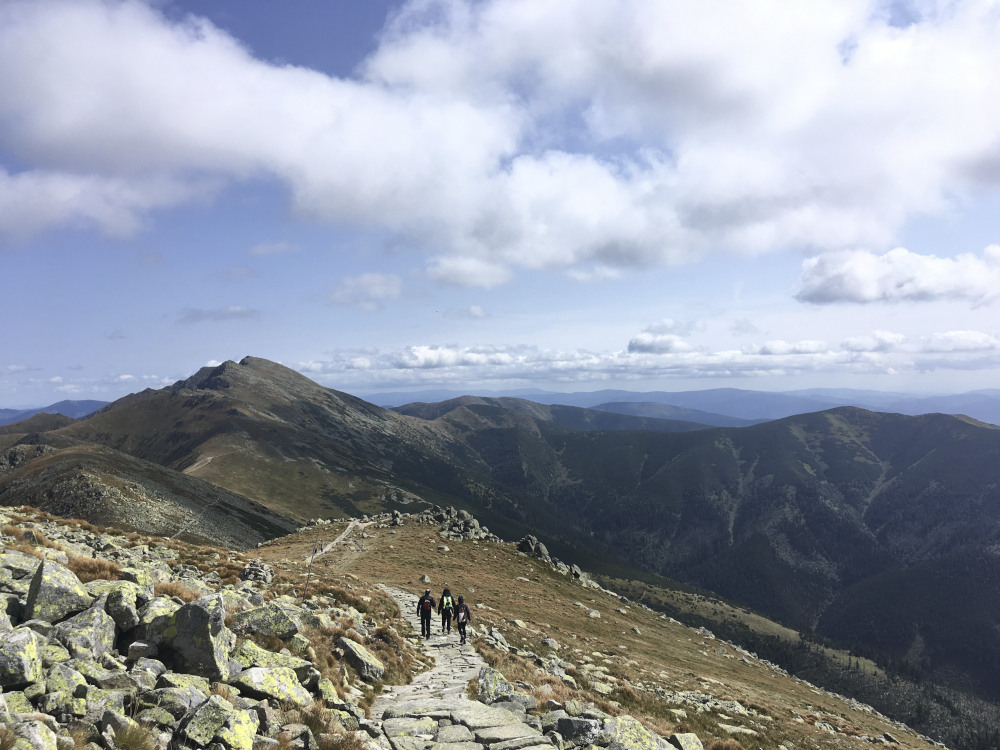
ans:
x=713 y=406
x=876 y=529
x=74 y=409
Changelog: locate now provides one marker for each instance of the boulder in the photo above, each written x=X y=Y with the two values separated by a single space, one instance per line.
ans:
x=278 y=683
x=20 y=660
x=249 y=654
x=198 y=636
x=493 y=687
x=364 y=662
x=89 y=634
x=626 y=733
x=211 y=716
x=269 y=620
x=685 y=741
x=55 y=593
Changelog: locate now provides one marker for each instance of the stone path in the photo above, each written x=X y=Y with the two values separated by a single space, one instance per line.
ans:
x=454 y=665
x=433 y=712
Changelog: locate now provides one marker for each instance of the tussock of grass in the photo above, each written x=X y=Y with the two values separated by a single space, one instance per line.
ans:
x=172 y=588
x=135 y=737
x=94 y=569
x=7 y=738
x=726 y=744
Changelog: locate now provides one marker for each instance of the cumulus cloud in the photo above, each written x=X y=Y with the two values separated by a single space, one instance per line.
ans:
x=193 y=315
x=880 y=352
x=506 y=134
x=900 y=275
x=369 y=291
x=663 y=337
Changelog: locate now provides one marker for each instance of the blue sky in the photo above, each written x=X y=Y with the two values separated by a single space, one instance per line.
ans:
x=500 y=194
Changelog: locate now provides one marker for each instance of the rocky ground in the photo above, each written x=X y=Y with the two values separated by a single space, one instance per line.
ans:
x=121 y=642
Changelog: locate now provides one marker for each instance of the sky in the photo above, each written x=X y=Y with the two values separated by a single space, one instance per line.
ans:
x=569 y=195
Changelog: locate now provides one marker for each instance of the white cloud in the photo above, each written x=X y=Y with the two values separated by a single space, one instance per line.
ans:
x=900 y=275
x=507 y=134
x=876 y=341
x=369 y=291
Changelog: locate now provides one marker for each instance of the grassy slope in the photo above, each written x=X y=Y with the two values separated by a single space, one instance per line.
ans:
x=662 y=653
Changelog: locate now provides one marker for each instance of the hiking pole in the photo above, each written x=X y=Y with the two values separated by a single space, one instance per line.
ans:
x=309 y=571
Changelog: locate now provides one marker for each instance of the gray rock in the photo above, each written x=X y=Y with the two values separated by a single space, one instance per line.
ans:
x=55 y=593
x=20 y=659
x=368 y=667
x=201 y=640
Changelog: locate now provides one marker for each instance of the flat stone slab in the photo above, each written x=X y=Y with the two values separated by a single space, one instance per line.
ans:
x=491 y=735
x=409 y=743
x=457 y=746
x=483 y=717
x=432 y=706
x=521 y=743
x=410 y=727
x=454 y=733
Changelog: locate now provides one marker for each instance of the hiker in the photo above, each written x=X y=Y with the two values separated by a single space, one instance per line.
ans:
x=462 y=617
x=425 y=607
x=446 y=608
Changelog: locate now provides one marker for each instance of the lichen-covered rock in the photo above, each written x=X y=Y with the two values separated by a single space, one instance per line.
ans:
x=685 y=741
x=249 y=654
x=368 y=667
x=176 y=701
x=90 y=633
x=198 y=635
x=493 y=687
x=36 y=733
x=20 y=658
x=55 y=593
x=19 y=564
x=279 y=683
x=239 y=730
x=63 y=678
x=155 y=618
x=271 y=620
x=202 y=724
x=626 y=733
x=407 y=727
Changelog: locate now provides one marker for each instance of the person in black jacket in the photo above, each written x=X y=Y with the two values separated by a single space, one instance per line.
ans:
x=462 y=617
x=425 y=608
x=446 y=608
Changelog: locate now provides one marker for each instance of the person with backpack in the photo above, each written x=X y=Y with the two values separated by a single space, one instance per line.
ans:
x=446 y=607
x=425 y=608
x=462 y=617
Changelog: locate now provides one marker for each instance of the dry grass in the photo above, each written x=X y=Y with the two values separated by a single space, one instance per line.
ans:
x=94 y=569
x=726 y=744
x=135 y=737
x=664 y=655
x=172 y=588
x=7 y=738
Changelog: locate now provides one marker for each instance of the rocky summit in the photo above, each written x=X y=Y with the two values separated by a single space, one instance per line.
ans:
x=121 y=642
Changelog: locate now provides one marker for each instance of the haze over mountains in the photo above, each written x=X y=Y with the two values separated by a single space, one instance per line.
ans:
x=876 y=529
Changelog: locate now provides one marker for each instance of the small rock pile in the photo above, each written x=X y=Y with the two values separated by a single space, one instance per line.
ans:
x=532 y=547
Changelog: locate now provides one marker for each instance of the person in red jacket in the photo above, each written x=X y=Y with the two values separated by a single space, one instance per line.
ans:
x=425 y=608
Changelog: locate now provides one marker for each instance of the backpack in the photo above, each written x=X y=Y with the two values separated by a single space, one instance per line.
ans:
x=463 y=614
x=427 y=604
x=446 y=603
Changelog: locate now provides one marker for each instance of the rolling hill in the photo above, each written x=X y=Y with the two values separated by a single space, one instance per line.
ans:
x=821 y=520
